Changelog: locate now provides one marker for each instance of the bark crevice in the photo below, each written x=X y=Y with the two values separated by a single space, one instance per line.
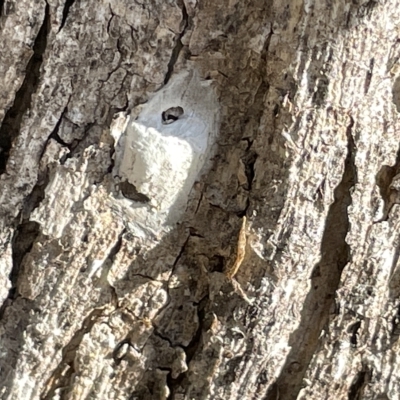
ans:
x=11 y=125
x=176 y=384
x=61 y=377
x=178 y=44
x=74 y=146
x=22 y=243
x=54 y=134
x=68 y=4
x=384 y=179
x=335 y=254
x=368 y=75
x=359 y=383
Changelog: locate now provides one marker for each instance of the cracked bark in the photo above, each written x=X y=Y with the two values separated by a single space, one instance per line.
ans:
x=324 y=281
x=67 y=5
x=12 y=120
x=307 y=150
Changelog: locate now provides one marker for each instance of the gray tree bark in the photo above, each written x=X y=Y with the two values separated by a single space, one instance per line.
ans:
x=243 y=245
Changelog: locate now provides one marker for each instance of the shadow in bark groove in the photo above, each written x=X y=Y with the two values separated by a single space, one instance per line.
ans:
x=68 y=4
x=61 y=377
x=358 y=385
x=190 y=350
x=384 y=179
x=335 y=254
x=396 y=93
x=20 y=316
x=11 y=125
x=368 y=75
x=178 y=45
x=23 y=240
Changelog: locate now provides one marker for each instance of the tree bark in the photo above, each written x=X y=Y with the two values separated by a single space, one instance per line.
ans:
x=199 y=199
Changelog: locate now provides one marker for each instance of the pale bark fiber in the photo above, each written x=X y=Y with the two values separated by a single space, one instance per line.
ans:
x=111 y=292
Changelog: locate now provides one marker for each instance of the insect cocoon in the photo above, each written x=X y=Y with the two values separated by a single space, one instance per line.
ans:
x=162 y=152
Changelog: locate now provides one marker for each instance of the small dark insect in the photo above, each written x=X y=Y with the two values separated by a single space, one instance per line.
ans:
x=171 y=115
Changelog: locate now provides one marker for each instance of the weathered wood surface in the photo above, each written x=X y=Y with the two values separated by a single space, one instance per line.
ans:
x=110 y=292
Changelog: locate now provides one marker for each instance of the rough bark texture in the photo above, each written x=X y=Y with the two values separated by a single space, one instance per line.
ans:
x=278 y=276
